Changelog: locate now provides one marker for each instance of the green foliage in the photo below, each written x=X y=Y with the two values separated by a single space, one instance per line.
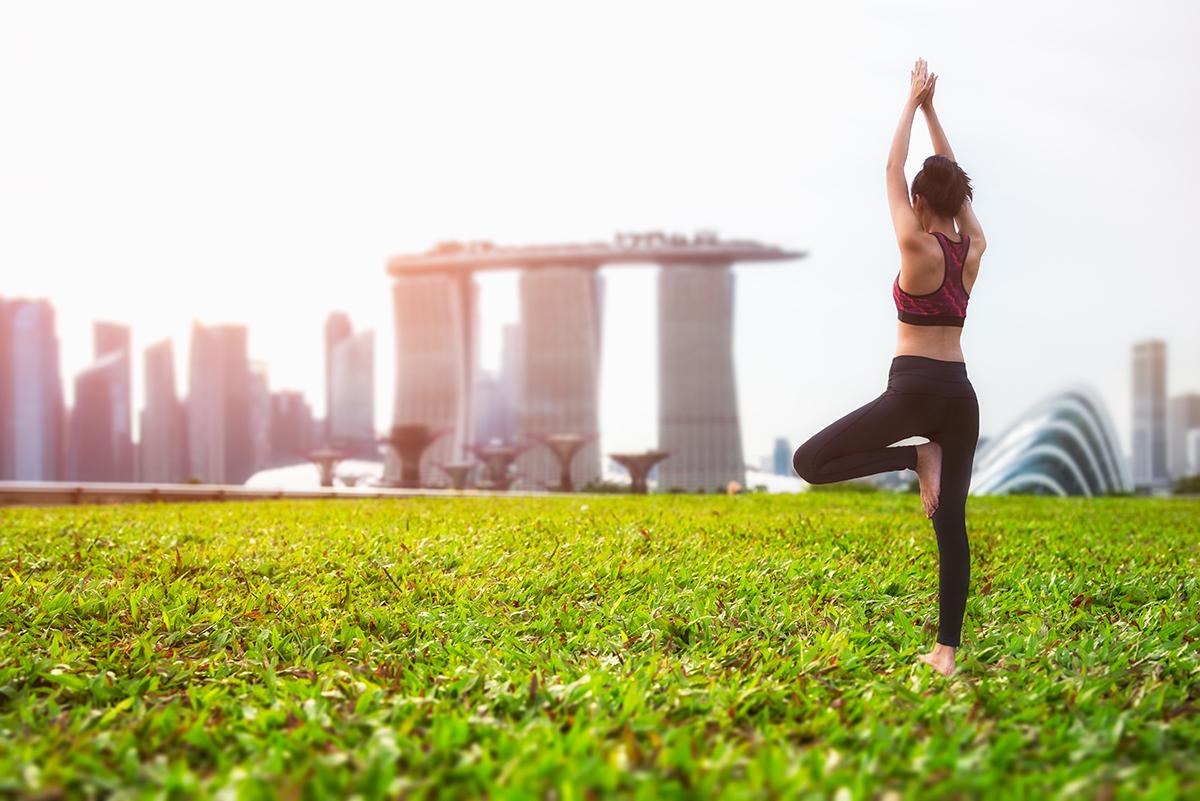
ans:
x=852 y=485
x=571 y=647
x=1189 y=485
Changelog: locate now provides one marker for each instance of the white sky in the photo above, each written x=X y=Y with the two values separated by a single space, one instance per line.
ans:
x=258 y=162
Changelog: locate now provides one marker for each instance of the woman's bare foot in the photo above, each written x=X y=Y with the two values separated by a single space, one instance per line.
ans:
x=929 y=474
x=941 y=659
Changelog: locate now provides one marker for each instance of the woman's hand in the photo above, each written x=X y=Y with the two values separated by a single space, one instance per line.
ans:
x=927 y=102
x=922 y=85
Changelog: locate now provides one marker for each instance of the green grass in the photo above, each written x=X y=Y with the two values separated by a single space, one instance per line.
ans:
x=585 y=646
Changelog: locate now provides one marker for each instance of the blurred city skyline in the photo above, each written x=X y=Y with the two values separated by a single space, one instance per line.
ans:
x=260 y=165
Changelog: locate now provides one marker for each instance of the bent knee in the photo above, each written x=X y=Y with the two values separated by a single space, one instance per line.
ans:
x=805 y=465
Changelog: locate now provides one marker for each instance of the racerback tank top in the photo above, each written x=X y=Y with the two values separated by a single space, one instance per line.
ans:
x=946 y=305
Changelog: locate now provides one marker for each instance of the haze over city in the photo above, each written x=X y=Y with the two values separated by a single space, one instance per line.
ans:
x=260 y=164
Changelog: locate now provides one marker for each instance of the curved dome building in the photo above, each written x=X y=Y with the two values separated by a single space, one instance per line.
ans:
x=1064 y=445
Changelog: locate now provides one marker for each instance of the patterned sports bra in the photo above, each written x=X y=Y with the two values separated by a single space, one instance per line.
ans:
x=946 y=305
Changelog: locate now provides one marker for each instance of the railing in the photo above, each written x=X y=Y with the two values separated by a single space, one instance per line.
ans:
x=62 y=493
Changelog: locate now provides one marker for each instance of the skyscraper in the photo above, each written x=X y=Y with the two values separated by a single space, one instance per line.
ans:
x=561 y=316
x=1183 y=417
x=220 y=444
x=432 y=364
x=782 y=456
x=1150 y=414
x=6 y=383
x=94 y=442
x=100 y=440
x=352 y=411
x=491 y=407
x=260 y=416
x=698 y=421
x=291 y=428
x=163 y=449
x=337 y=328
x=34 y=399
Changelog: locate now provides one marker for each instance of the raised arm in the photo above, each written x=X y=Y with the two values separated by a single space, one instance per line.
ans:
x=904 y=219
x=966 y=220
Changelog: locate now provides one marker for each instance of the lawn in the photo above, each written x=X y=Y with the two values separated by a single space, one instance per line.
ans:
x=578 y=647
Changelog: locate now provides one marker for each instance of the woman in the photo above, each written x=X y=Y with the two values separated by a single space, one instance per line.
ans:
x=928 y=393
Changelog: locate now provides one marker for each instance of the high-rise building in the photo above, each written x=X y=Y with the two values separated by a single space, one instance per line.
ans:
x=6 y=383
x=492 y=409
x=36 y=417
x=1183 y=417
x=337 y=329
x=163 y=447
x=433 y=362
x=260 y=415
x=698 y=421
x=512 y=367
x=1150 y=415
x=782 y=456
x=94 y=442
x=291 y=428
x=1192 y=449
x=561 y=318
x=220 y=444
x=352 y=408
x=100 y=439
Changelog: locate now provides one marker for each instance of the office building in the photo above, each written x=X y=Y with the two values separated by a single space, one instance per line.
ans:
x=221 y=447
x=292 y=428
x=1150 y=415
x=782 y=456
x=260 y=415
x=1183 y=418
x=163 y=445
x=100 y=439
x=34 y=437
x=352 y=397
x=337 y=329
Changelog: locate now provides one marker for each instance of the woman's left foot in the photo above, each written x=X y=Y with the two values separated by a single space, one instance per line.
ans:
x=941 y=659
x=929 y=475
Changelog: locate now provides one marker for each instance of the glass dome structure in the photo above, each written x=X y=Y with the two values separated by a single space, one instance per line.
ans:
x=1063 y=445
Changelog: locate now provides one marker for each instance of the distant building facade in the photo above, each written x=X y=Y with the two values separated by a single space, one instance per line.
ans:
x=33 y=435
x=6 y=389
x=1150 y=415
x=163 y=442
x=337 y=329
x=1183 y=420
x=100 y=438
x=433 y=364
x=352 y=409
x=782 y=456
x=260 y=416
x=559 y=339
x=220 y=442
x=561 y=319
x=698 y=422
x=291 y=428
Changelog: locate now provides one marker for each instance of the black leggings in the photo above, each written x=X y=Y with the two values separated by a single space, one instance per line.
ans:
x=929 y=398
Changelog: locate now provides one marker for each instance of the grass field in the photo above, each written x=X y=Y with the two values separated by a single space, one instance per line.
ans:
x=578 y=647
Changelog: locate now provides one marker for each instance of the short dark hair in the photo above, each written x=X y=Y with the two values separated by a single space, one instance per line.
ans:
x=943 y=184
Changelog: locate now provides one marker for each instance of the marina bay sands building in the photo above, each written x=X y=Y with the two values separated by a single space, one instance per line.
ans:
x=561 y=305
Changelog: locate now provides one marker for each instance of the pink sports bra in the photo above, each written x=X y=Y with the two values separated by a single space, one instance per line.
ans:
x=946 y=305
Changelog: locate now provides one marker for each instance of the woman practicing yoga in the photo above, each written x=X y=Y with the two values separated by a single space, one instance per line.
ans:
x=928 y=393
